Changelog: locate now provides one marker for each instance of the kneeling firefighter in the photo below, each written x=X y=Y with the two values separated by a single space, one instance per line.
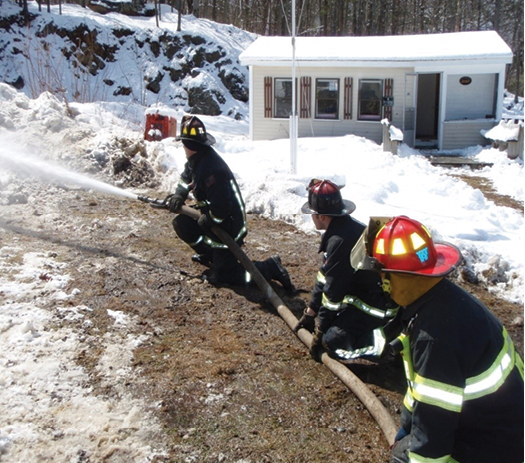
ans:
x=221 y=204
x=464 y=401
x=347 y=307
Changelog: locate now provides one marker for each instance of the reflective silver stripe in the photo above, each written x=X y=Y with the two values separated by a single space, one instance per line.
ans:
x=335 y=306
x=490 y=380
x=214 y=244
x=199 y=240
x=238 y=197
x=370 y=310
x=356 y=302
x=183 y=184
x=215 y=219
x=415 y=458
x=519 y=364
x=242 y=231
x=330 y=305
x=217 y=245
x=376 y=349
x=409 y=401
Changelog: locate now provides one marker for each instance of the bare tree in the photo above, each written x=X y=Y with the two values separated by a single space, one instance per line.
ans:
x=457 y=28
x=179 y=16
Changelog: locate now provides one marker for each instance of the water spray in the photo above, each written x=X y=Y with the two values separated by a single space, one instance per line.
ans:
x=26 y=164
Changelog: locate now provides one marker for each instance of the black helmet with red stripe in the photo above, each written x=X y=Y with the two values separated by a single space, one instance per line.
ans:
x=324 y=198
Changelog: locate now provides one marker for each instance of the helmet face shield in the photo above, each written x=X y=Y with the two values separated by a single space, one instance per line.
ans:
x=361 y=257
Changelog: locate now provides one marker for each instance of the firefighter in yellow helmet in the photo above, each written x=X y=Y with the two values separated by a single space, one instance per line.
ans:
x=214 y=187
x=464 y=401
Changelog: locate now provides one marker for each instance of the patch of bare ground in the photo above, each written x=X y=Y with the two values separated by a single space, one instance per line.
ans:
x=223 y=372
x=486 y=187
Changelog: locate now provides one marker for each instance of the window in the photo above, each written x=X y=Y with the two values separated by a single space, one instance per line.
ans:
x=283 y=98
x=370 y=96
x=327 y=99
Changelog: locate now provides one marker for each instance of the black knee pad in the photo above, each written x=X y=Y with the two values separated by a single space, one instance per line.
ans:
x=337 y=338
x=186 y=228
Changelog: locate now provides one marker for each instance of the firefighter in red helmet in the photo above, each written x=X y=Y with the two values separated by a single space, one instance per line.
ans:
x=464 y=401
x=347 y=309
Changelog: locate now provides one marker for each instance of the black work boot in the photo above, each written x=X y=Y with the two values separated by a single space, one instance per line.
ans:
x=272 y=269
x=202 y=259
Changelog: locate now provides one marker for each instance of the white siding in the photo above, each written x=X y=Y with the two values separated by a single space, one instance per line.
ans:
x=462 y=134
x=269 y=128
x=473 y=101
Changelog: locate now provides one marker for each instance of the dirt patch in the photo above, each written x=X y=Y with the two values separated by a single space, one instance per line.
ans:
x=223 y=372
x=485 y=186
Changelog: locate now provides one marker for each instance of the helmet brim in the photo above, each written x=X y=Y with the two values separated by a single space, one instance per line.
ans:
x=349 y=207
x=210 y=139
x=448 y=257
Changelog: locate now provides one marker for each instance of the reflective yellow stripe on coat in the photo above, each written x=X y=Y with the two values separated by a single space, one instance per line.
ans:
x=415 y=458
x=450 y=397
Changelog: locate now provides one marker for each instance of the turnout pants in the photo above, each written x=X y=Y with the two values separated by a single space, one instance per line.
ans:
x=225 y=266
x=355 y=333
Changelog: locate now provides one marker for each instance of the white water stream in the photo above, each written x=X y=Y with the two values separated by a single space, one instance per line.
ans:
x=26 y=164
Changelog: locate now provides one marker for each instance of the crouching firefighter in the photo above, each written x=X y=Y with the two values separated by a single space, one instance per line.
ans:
x=464 y=401
x=221 y=204
x=347 y=308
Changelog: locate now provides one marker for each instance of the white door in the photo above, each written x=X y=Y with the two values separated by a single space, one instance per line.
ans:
x=409 y=109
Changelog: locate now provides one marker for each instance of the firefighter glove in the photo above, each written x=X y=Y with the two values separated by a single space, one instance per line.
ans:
x=175 y=202
x=306 y=321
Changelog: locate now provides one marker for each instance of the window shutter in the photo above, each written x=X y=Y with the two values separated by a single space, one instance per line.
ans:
x=347 y=104
x=306 y=98
x=268 y=97
x=388 y=90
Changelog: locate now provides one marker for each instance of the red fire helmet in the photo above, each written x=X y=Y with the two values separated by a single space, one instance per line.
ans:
x=405 y=245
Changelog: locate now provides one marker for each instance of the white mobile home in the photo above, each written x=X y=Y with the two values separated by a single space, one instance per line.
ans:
x=441 y=90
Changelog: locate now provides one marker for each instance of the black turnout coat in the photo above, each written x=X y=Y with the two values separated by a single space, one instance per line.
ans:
x=336 y=277
x=216 y=190
x=465 y=396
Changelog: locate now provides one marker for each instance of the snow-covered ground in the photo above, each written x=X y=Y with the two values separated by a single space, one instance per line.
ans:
x=49 y=411
x=46 y=399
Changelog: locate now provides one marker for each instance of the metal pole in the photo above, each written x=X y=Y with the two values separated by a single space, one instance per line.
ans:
x=293 y=114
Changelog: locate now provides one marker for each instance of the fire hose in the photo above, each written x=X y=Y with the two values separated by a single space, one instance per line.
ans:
x=348 y=378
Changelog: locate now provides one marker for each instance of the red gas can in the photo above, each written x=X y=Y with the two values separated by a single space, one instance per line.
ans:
x=159 y=126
